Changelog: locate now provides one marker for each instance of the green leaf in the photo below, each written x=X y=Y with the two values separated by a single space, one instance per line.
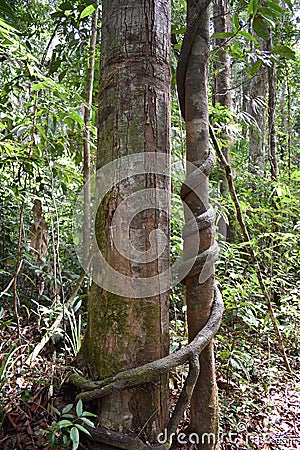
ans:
x=88 y=414
x=87 y=11
x=62 y=74
x=31 y=70
x=87 y=422
x=6 y=9
x=175 y=30
x=79 y=408
x=74 y=435
x=5 y=362
x=65 y=5
x=81 y=428
x=268 y=13
x=55 y=410
x=224 y=35
x=295 y=175
x=236 y=20
x=252 y=7
x=67 y=408
x=284 y=51
x=41 y=85
x=6 y=26
x=64 y=424
x=275 y=6
x=248 y=36
x=260 y=27
x=76 y=117
x=255 y=67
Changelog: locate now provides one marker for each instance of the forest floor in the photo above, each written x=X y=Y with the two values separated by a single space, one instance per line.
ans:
x=265 y=416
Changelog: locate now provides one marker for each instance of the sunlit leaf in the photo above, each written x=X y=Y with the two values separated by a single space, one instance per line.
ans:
x=252 y=7
x=248 y=36
x=224 y=35
x=87 y=11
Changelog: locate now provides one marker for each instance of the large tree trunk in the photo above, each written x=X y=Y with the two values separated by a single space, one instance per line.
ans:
x=199 y=295
x=124 y=332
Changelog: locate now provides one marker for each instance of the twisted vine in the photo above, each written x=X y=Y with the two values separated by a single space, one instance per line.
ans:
x=198 y=222
x=150 y=371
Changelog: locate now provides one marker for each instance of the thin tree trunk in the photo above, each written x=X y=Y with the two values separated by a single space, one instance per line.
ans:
x=222 y=79
x=222 y=92
x=284 y=122
x=271 y=116
x=199 y=296
x=124 y=332
x=86 y=136
x=290 y=128
x=256 y=107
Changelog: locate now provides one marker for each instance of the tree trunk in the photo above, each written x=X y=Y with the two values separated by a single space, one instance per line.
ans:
x=86 y=135
x=222 y=93
x=123 y=331
x=222 y=79
x=257 y=109
x=199 y=295
x=271 y=116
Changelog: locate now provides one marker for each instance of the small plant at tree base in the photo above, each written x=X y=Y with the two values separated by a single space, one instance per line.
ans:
x=65 y=431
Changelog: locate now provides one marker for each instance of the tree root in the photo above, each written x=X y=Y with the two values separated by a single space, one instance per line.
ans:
x=149 y=372
x=120 y=440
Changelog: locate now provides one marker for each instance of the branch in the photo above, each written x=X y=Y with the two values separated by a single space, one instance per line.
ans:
x=12 y=280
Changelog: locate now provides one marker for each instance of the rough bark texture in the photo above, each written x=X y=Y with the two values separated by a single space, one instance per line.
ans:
x=256 y=107
x=123 y=333
x=199 y=296
x=86 y=135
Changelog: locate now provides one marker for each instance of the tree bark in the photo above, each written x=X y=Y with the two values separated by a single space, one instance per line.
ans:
x=271 y=116
x=199 y=295
x=134 y=117
x=87 y=115
x=256 y=107
x=222 y=79
x=222 y=93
